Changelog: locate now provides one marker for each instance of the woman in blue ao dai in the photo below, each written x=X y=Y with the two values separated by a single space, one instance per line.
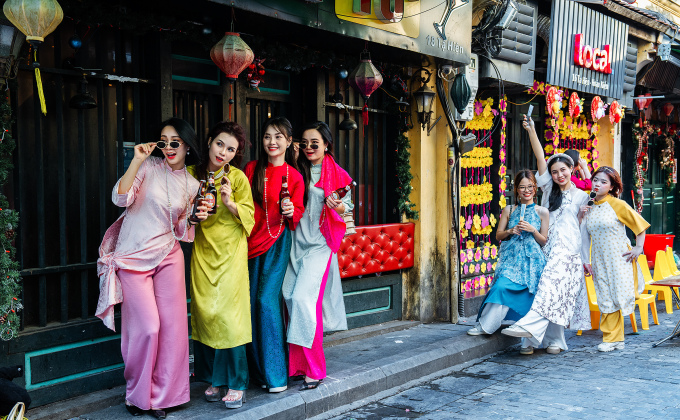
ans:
x=523 y=229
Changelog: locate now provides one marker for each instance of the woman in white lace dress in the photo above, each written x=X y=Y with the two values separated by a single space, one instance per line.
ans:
x=561 y=299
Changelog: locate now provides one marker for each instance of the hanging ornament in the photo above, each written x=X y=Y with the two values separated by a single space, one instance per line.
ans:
x=597 y=108
x=232 y=55
x=460 y=92
x=615 y=113
x=342 y=73
x=575 y=105
x=366 y=79
x=554 y=101
x=75 y=42
x=667 y=109
x=36 y=19
x=255 y=73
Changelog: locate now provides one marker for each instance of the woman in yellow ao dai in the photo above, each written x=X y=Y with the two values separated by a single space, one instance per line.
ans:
x=613 y=263
x=220 y=291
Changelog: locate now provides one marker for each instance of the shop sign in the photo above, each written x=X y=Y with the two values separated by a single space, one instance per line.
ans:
x=429 y=27
x=587 y=50
x=592 y=58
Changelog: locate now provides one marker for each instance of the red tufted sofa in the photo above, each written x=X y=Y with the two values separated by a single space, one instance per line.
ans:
x=376 y=249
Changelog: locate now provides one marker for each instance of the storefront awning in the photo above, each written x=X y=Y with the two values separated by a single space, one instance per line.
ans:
x=432 y=27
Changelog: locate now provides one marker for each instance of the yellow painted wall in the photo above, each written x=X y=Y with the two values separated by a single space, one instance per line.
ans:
x=606 y=142
x=426 y=288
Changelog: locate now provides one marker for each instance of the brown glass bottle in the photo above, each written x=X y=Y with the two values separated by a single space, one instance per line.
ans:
x=197 y=202
x=341 y=192
x=284 y=196
x=211 y=194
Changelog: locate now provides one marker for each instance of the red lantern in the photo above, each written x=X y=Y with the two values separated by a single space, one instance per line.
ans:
x=232 y=55
x=366 y=79
x=641 y=104
x=649 y=101
x=667 y=109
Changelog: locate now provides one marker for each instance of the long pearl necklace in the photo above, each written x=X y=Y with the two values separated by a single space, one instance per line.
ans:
x=167 y=190
x=266 y=209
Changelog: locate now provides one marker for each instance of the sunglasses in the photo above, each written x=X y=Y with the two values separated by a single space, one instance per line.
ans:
x=163 y=144
x=307 y=145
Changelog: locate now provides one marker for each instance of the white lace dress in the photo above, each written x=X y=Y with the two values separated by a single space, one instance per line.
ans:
x=561 y=297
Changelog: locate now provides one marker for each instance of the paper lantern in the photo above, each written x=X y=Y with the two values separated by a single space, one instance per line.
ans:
x=667 y=109
x=232 y=55
x=35 y=18
x=366 y=79
x=460 y=93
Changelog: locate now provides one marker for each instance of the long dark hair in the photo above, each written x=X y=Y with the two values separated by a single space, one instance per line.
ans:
x=283 y=126
x=614 y=179
x=227 y=127
x=555 y=199
x=305 y=166
x=187 y=134
x=524 y=174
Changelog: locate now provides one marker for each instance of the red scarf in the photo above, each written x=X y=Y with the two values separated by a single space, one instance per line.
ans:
x=333 y=177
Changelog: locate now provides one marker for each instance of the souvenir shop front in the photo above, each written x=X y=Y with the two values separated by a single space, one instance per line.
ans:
x=111 y=75
x=577 y=78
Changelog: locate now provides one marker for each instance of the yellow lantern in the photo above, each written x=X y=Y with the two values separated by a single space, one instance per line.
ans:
x=36 y=19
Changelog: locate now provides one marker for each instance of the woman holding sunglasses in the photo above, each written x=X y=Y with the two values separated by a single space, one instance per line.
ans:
x=142 y=265
x=269 y=250
x=615 y=270
x=523 y=230
x=312 y=288
x=220 y=298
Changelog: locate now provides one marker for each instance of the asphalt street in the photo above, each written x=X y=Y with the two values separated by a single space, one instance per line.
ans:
x=637 y=382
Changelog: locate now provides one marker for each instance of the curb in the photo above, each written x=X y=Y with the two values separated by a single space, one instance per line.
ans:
x=393 y=371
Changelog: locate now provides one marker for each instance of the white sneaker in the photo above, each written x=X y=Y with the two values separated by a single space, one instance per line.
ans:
x=516 y=331
x=605 y=347
x=477 y=331
x=278 y=389
x=526 y=350
x=553 y=349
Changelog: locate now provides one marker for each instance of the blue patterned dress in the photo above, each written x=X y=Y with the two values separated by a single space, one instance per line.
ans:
x=519 y=268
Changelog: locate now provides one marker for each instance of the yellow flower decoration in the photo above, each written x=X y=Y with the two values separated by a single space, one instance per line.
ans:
x=494 y=266
x=485 y=253
x=502 y=203
x=483 y=268
x=463 y=233
x=461 y=221
x=469 y=245
x=492 y=220
x=476 y=221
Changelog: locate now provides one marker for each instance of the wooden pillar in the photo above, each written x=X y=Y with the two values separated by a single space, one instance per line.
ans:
x=165 y=78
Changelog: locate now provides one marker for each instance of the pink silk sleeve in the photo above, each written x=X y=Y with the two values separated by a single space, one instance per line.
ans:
x=124 y=200
x=582 y=184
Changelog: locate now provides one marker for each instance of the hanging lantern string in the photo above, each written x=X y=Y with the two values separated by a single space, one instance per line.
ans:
x=38 y=82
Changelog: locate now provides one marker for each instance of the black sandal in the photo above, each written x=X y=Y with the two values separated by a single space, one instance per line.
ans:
x=134 y=410
x=297 y=378
x=310 y=385
x=159 y=414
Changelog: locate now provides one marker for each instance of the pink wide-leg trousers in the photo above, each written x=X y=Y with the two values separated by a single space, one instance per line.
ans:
x=154 y=334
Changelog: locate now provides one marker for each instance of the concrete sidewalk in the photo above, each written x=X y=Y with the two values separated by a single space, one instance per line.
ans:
x=360 y=363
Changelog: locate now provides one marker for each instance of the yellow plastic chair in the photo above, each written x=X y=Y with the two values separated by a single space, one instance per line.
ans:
x=673 y=268
x=644 y=303
x=664 y=292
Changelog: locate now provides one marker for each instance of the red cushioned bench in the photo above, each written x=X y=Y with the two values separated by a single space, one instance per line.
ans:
x=377 y=249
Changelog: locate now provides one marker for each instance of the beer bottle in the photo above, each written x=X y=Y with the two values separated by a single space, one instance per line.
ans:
x=211 y=194
x=341 y=192
x=284 y=196
x=197 y=202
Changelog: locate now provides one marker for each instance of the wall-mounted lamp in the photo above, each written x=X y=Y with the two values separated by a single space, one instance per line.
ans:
x=11 y=40
x=424 y=98
x=83 y=99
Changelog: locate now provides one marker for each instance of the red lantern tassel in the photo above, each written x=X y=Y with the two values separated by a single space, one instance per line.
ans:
x=364 y=114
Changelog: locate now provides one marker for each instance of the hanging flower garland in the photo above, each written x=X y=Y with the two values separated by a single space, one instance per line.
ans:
x=502 y=170
x=641 y=135
x=667 y=160
x=478 y=157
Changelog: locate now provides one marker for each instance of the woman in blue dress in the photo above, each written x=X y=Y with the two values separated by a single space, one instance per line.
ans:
x=523 y=229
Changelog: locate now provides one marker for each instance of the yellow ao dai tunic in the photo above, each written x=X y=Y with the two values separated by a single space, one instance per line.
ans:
x=220 y=288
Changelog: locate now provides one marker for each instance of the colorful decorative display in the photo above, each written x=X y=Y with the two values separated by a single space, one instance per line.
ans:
x=575 y=105
x=255 y=73
x=484 y=115
x=615 y=113
x=597 y=108
x=667 y=160
x=553 y=98
x=366 y=79
x=641 y=136
x=502 y=169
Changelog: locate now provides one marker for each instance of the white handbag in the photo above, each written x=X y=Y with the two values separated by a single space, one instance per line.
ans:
x=17 y=412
